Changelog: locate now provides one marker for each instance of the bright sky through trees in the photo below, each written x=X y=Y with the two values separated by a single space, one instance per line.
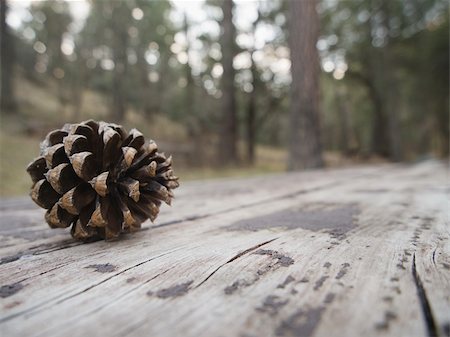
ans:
x=244 y=16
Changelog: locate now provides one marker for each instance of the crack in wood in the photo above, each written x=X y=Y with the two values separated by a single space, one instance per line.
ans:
x=31 y=251
x=34 y=309
x=115 y=299
x=280 y=261
x=96 y=310
x=434 y=256
x=235 y=257
x=432 y=330
x=116 y=274
x=44 y=272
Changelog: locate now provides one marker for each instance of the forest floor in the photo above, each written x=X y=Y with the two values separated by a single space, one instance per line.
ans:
x=18 y=150
x=40 y=111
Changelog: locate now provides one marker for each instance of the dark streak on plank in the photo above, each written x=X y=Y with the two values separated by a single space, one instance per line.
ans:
x=329 y=298
x=320 y=282
x=261 y=202
x=283 y=260
x=234 y=286
x=175 y=291
x=388 y=317
x=272 y=304
x=301 y=323
x=339 y=221
x=10 y=289
x=288 y=280
x=343 y=271
x=103 y=268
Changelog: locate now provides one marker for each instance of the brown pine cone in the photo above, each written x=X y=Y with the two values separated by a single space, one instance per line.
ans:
x=100 y=179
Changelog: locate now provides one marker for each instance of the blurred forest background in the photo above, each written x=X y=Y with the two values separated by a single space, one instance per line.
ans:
x=230 y=87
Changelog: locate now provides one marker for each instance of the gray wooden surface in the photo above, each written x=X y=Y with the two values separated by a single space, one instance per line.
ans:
x=350 y=252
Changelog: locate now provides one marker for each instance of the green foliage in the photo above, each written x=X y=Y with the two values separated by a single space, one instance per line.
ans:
x=399 y=53
x=389 y=82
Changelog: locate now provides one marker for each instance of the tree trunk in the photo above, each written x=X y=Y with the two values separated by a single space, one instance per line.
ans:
x=390 y=90
x=120 y=42
x=194 y=123
x=77 y=95
x=343 y=115
x=380 y=139
x=189 y=99
x=251 y=126
x=228 y=135
x=7 y=99
x=251 y=132
x=305 y=149
x=147 y=89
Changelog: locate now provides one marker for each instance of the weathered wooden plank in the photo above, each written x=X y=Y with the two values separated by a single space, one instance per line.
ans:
x=196 y=201
x=315 y=253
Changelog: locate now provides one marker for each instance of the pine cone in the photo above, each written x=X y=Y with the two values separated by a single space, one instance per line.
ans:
x=100 y=179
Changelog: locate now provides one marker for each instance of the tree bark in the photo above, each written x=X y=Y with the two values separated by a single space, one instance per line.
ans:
x=189 y=99
x=147 y=89
x=7 y=99
x=251 y=126
x=344 y=128
x=380 y=138
x=120 y=43
x=228 y=135
x=305 y=149
x=390 y=91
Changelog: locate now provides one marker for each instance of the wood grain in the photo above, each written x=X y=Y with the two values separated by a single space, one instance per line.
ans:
x=348 y=252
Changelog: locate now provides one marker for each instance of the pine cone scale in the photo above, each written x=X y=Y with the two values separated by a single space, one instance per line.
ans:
x=37 y=169
x=100 y=184
x=75 y=144
x=77 y=198
x=84 y=165
x=55 y=155
x=62 y=178
x=58 y=217
x=43 y=194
